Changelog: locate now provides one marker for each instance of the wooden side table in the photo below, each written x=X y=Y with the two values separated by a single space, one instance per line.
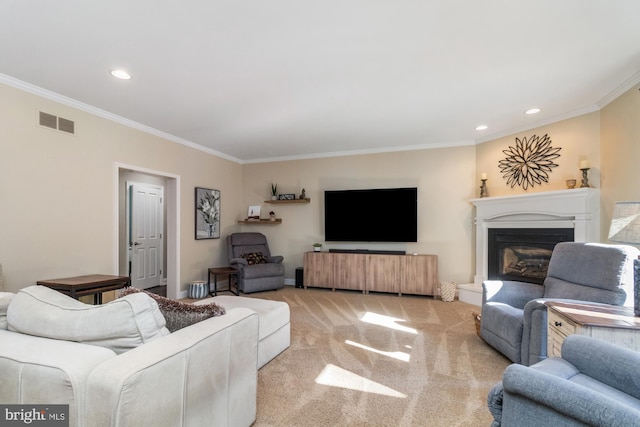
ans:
x=609 y=323
x=92 y=284
x=232 y=275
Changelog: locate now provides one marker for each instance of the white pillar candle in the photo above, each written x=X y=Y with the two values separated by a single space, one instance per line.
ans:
x=584 y=164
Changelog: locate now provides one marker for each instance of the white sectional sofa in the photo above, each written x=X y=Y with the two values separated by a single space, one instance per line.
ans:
x=117 y=365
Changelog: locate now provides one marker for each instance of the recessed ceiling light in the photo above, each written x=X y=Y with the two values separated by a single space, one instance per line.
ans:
x=532 y=111
x=482 y=127
x=120 y=74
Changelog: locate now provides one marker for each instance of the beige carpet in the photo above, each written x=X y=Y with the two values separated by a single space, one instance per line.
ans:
x=377 y=360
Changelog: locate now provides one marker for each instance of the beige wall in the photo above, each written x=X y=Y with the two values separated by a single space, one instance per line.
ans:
x=609 y=139
x=58 y=192
x=578 y=138
x=620 y=153
x=445 y=180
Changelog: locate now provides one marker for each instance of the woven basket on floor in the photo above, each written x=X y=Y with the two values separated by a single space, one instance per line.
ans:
x=477 y=319
x=447 y=291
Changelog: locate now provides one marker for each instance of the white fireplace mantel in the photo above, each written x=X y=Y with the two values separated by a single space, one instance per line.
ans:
x=578 y=209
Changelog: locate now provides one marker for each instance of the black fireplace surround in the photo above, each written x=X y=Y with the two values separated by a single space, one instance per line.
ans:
x=523 y=254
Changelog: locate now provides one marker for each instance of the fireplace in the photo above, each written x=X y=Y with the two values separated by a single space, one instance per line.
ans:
x=577 y=210
x=522 y=253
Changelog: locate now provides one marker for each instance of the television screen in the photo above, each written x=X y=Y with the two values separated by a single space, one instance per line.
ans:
x=376 y=215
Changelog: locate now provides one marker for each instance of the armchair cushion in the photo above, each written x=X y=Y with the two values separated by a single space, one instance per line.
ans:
x=5 y=299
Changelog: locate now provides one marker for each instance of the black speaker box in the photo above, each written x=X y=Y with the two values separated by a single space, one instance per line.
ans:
x=299 y=277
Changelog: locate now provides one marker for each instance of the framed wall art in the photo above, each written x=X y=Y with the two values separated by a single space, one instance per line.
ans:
x=207 y=209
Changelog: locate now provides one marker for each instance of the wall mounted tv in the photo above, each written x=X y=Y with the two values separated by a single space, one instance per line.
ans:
x=375 y=215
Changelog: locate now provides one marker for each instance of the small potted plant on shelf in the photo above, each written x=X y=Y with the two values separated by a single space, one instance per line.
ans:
x=317 y=247
x=272 y=216
x=274 y=191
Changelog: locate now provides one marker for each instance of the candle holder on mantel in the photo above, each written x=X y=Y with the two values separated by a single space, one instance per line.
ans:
x=585 y=178
x=483 y=188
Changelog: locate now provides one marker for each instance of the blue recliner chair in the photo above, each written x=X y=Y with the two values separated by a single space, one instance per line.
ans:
x=514 y=317
x=594 y=383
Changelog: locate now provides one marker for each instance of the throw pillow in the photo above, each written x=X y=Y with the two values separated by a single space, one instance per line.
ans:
x=179 y=314
x=254 y=258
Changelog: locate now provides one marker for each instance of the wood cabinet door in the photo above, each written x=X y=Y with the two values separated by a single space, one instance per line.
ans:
x=318 y=270
x=349 y=271
x=419 y=274
x=383 y=273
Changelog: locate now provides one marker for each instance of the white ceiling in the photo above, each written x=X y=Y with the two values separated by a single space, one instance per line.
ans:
x=257 y=80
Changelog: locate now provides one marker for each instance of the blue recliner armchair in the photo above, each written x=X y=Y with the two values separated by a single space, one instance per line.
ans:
x=594 y=383
x=514 y=316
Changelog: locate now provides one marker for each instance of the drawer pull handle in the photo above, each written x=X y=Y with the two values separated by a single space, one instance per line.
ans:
x=558 y=324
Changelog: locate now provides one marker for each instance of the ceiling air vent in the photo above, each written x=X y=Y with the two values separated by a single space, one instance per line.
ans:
x=54 y=122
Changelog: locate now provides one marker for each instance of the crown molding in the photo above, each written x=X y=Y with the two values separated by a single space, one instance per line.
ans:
x=622 y=88
x=56 y=97
x=451 y=144
x=540 y=123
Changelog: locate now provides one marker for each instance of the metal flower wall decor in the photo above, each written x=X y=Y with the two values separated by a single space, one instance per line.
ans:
x=529 y=162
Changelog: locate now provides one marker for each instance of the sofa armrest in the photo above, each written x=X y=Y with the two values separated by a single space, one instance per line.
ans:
x=525 y=386
x=275 y=259
x=515 y=294
x=204 y=374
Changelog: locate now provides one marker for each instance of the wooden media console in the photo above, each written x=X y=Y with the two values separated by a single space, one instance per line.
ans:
x=400 y=274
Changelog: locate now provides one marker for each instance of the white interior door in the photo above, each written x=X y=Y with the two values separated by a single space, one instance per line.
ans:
x=145 y=235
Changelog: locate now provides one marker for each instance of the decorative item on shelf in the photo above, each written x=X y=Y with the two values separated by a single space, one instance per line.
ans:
x=483 y=186
x=625 y=229
x=286 y=197
x=529 y=162
x=254 y=213
x=303 y=195
x=571 y=184
x=272 y=216
x=274 y=191
x=584 y=167
x=317 y=247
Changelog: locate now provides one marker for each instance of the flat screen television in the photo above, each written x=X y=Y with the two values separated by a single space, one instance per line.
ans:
x=373 y=215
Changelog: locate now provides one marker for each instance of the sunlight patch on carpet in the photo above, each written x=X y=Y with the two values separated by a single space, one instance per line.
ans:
x=387 y=321
x=334 y=376
x=398 y=355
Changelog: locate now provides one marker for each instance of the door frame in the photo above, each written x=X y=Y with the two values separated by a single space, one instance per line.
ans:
x=172 y=200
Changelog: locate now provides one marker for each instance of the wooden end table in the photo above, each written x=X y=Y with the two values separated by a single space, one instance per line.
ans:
x=232 y=276
x=609 y=323
x=92 y=284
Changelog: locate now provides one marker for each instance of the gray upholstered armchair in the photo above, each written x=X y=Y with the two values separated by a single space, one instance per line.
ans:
x=257 y=269
x=595 y=383
x=514 y=316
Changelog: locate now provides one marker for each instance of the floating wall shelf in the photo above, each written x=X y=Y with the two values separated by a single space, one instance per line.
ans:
x=284 y=202
x=261 y=222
